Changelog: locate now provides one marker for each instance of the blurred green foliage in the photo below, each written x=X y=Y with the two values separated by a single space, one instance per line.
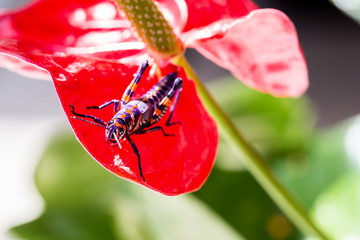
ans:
x=276 y=126
x=83 y=201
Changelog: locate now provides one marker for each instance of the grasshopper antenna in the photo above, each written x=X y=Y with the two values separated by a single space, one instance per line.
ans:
x=88 y=121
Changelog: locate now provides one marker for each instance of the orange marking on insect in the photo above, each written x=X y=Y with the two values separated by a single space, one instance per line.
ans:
x=122 y=116
x=126 y=98
x=133 y=86
x=117 y=124
x=166 y=101
x=157 y=112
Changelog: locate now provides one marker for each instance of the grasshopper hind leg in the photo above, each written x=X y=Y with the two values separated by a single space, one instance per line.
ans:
x=166 y=101
x=177 y=90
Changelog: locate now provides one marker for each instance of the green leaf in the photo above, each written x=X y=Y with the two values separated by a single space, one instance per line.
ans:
x=337 y=209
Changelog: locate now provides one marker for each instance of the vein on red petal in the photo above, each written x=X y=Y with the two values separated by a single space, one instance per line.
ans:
x=261 y=49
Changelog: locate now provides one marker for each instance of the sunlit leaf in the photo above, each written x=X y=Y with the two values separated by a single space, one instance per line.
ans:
x=337 y=209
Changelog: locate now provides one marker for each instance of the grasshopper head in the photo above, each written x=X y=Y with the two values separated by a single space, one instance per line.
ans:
x=115 y=130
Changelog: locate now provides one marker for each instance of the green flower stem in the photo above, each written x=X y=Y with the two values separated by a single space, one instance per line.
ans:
x=254 y=161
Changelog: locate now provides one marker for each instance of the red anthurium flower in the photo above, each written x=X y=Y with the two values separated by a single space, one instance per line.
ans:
x=91 y=53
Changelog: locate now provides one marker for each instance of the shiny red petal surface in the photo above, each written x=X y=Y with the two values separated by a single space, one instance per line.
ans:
x=78 y=26
x=261 y=49
x=83 y=27
x=205 y=12
x=53 y=25
x=171 y=165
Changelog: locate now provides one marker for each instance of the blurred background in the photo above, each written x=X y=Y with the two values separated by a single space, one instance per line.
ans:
x=311 y=143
